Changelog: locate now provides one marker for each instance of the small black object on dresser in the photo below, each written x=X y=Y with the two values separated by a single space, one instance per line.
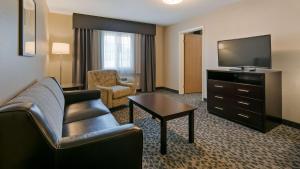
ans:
x=253 y=99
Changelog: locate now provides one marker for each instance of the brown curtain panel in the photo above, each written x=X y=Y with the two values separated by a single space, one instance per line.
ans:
x=148 y=73
x=86 y=58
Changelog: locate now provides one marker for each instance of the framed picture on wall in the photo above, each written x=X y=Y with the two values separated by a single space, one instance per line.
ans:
x=27 y=27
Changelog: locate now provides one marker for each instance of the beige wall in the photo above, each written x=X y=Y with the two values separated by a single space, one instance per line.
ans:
x=17 y=72
x=247 y=18
x=60 y=30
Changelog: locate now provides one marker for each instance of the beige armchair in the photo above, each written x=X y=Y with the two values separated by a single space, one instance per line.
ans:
x=114 y=92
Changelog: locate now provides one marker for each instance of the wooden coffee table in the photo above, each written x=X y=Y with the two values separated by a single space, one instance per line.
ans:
x=164 y=108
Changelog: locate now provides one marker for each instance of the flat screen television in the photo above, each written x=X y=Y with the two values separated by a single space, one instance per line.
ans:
x=245 y=52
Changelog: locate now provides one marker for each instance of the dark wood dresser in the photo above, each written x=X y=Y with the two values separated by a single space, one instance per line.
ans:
x=253 y=99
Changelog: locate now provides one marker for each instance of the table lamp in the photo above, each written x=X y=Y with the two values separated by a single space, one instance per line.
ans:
x=60 y=49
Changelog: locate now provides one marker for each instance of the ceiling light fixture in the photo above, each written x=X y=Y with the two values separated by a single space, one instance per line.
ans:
x=172 y=2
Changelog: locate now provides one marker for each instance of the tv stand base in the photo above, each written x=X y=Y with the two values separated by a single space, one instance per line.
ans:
x=252 y=99
x=243 y=69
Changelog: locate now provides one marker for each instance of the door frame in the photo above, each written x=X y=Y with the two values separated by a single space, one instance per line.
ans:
x=181 y=56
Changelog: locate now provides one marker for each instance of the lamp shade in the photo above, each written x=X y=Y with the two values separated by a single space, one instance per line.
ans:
x=172 y=2
x=60 y=48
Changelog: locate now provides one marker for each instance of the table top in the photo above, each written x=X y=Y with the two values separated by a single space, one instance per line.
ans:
x=162 y=106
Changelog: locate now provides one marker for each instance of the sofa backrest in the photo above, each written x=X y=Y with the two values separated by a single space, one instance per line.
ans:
x=105 y=78
x=48 y=97
x=55 y=88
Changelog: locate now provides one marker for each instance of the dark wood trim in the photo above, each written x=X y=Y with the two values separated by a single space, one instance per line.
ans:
x=168 y=89
x=130 y=111
x=154 y=114
x=251 y=99
x=110 y=24
x=163 y=137
x=291 y=123
x=163 y=120
x=20 y=27
x=191 y=127
x=163 y=88
x=21 y=31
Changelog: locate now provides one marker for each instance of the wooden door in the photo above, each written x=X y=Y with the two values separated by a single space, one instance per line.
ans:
x=192 y=63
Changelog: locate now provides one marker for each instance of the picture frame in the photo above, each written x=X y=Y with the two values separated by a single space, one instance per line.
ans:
x=27 y=28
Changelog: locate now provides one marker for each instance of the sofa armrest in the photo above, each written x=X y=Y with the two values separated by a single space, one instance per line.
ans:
x=119 y=147
x=81 y=95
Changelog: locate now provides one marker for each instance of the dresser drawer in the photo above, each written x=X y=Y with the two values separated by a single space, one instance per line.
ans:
x=219 y=108
x=220 y=87
x=249 y=104
x=247 y=118
x=251 y=91
x=217 y=98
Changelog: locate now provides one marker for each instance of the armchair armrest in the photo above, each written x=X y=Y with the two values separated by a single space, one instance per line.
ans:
x=81 y=95
x=132 y=85
x=103 y=88
x=106 y=95
x=120 y=147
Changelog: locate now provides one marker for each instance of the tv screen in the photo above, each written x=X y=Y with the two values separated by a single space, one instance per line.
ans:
x=251 y=51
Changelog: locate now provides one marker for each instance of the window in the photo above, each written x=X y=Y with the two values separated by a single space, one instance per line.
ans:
x=118 y=51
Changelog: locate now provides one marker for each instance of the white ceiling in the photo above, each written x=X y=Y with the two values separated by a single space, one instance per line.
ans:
x=150 y=11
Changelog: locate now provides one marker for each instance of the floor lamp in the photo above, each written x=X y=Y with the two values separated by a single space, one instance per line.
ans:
x=60 y=49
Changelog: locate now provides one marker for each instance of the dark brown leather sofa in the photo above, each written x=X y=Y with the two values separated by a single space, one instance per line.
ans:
x=44 y=127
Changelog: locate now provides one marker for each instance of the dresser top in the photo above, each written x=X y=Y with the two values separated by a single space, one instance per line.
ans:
x=257 y=71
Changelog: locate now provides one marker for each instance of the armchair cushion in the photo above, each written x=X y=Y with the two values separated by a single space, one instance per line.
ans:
x=84 y=110
x=120 y=91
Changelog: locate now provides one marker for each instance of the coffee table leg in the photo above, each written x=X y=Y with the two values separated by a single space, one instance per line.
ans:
x=191 y=127
x=163 y=137
x=130 y=111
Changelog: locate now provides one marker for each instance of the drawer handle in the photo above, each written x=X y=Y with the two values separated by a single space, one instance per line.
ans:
x=244 y=103
x=243 y=90
x=219 y=86
x=219 y=108
x=244 y=116
x=219 y=97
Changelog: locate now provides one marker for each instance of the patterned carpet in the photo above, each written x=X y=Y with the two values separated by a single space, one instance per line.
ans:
x=219 y=143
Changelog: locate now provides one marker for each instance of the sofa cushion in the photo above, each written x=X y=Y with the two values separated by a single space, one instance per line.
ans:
x=89 y=125
x=44 y=99
x=55 y=88
x=120 y=91
x=84 y=110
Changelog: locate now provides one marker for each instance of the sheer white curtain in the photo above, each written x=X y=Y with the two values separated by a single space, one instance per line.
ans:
x=118 y=52
x=138 y=57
